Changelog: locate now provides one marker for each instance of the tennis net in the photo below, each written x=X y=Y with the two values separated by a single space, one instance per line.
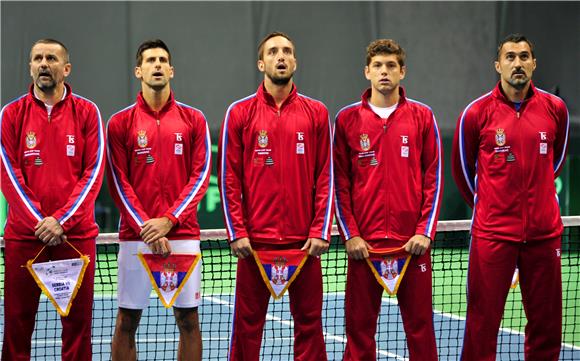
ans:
x=157 y=336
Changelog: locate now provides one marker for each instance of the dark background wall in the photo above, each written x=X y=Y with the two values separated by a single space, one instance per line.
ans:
x=450 y=46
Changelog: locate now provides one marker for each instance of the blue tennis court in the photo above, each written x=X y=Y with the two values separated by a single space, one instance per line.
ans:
x=157 y=337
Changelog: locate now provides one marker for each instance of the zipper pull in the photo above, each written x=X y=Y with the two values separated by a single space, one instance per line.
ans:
x=49 y=118
x=518 y=115
x=158 y=122
x=278 y=112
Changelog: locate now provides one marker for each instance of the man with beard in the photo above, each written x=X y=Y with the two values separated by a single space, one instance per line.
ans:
x=275 y=180
x=509 y=146
x=53 y=150
x=389 y=181
x=159 y=165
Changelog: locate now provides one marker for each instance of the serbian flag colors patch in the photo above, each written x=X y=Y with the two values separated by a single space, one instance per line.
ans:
x=59 y=280
x=168 y=275
x=515 y=278
x=280 y=268
x=389 y=266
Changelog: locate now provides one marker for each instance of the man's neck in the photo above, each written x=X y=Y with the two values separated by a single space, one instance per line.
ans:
x=381 y=100
x=51 y=97
x=156 y=99
x=278 y=92
x=513 y=94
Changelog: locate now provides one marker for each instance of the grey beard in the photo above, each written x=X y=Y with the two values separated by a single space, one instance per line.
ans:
x=47 y=88
x=519 y=84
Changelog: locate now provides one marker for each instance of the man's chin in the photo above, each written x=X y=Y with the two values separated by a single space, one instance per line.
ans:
x=46 y=87
x=280 y=80
x=519 y=84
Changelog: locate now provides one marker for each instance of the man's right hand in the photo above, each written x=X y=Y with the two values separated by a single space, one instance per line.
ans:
x=357 y=248
x=241 y=247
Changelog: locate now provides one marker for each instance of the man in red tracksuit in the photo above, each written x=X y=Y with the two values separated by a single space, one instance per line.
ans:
x=389 y=182
x=159 y=169
x=53 y=154
x=509 y=146
x=275 y=179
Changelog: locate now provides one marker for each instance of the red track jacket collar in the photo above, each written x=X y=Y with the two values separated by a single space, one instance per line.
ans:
x=33 y=97
x=142 y=104
x=498 y=93
x=367 y=95
x=265 y=97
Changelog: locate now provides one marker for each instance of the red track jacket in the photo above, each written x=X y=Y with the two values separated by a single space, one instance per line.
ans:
x=275 y=173
x=389 y=172
x=159 y=165
x=51 y=165
x=505 y=162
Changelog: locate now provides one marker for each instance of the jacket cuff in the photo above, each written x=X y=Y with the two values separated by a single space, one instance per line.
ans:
x=172 y=218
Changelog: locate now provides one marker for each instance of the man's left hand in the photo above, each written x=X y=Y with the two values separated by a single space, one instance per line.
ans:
x=155 y=228
x=418 y=245
x=315 y=246
x=49 y=231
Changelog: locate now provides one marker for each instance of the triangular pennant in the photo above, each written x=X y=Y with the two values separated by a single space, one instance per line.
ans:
x=59 y=280
x=279 y=268
x=169 y=275
x=389 y=266
x=515 y=278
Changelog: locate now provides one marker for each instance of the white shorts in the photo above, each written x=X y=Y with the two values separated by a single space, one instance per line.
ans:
x=134 y=286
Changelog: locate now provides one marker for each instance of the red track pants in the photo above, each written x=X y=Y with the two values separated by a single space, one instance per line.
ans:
x=21 y=298
x=363 y=304
x=251 y=305
x=491 y=266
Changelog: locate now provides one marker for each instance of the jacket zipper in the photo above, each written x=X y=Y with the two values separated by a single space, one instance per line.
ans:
x=160 y=156
x=524 y=183
x=281 y=167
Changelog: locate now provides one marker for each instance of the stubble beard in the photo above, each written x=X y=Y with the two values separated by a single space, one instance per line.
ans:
x=280 y=80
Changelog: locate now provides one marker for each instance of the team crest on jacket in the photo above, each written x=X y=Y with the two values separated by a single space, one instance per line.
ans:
x=142 y=138
x=365 y=142
x=30 y=140
x=263 y=139
x=500 y=137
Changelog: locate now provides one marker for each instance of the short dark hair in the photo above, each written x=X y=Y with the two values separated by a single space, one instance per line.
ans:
x=515 y=38
x=386 y=47
x=51 y=41
x=151 y=44
x=270 y=36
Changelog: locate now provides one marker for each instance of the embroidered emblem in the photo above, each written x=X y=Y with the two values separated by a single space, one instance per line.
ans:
x=168 y=277
x=299 y=148
x=142 y=138
x=500 y=137
x=70 y=150
x=365 y=143
x=263 y=139
x=30 y=140
x=178 y=149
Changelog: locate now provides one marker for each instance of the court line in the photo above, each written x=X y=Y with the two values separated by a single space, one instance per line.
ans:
x=462 y=318
x=391 y=301
x=291 y=324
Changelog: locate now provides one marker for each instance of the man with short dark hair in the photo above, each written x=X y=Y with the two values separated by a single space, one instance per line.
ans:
x=509 y=146
x=53 y=150
x=159 y=166
x=275 y=179
x=389 y=181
